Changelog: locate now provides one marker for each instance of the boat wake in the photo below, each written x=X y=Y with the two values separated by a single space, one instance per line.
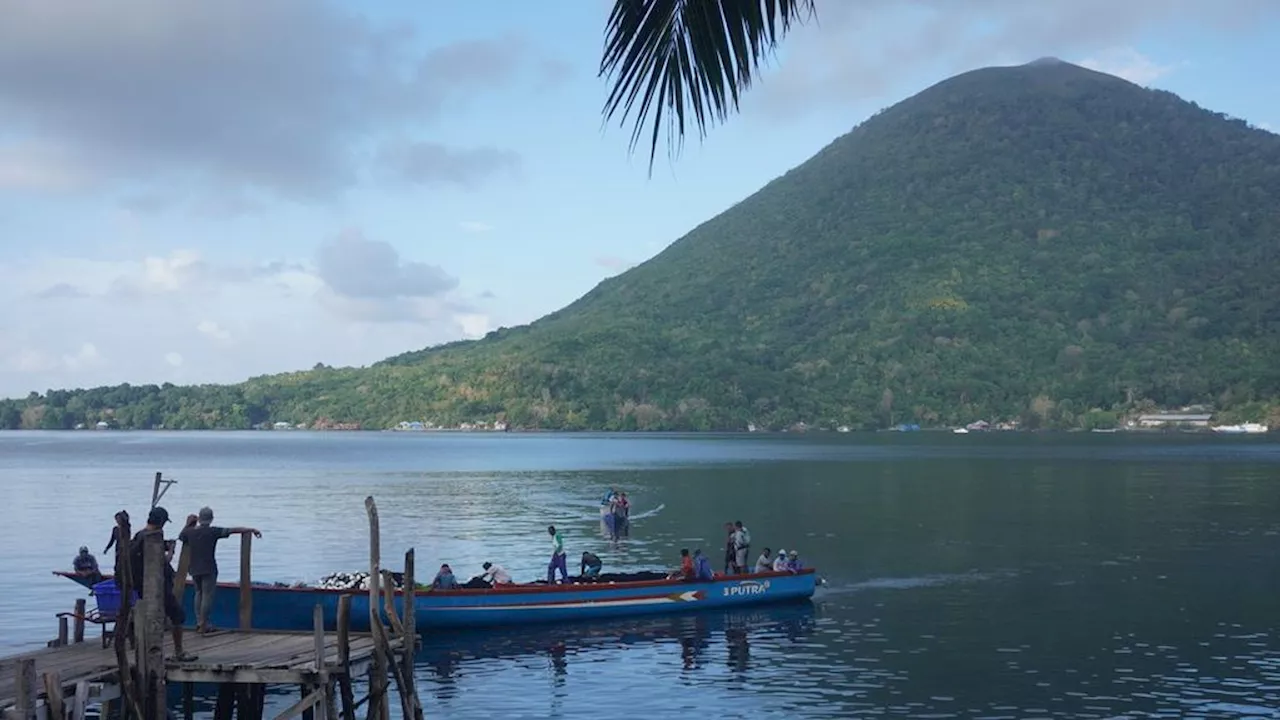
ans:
x=913 y=583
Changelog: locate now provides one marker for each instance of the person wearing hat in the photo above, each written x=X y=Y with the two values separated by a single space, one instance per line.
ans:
x=86 y=566
x=156 y=520
x=780 y=561
x=202 y=536
x=793 y=561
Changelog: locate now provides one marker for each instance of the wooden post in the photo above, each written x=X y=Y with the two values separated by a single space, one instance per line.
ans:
x=344 y=658
x=153 y=594
x=81 y=702
x=155 y=489
x=246 y=586
x=124 y=582
x=64 y=631
x=188 y=701
x=226 y=702
x=53 y=695
x=307 y=703
x=378 y=709
x=389 y=602
x=78 y=629
x=317 y=622
x=180 y=577
x=25 y=689
x=410 y=637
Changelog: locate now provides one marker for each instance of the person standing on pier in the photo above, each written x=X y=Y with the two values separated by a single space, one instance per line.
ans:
x=202 y=536
x=156 y=521
x=557 y=558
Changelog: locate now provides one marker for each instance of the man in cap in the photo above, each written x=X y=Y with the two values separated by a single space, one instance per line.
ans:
x=156 y=521
x=202 y=536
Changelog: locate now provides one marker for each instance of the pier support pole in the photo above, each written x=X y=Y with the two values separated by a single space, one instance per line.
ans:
x=246 y=585
x=77 y=632
x=154 y=588
x=344 y=658
x=25 y=689
x=378 y=707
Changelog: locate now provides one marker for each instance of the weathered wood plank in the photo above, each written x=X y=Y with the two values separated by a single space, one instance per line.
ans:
x=26 y=691
x=246 y=584
x=53 y=696
x=78 y=629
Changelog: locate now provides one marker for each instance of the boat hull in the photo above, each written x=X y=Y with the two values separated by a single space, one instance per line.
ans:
x=289 y=608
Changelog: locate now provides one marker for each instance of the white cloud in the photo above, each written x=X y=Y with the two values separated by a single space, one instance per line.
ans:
x=38 y=167
x=862 y=52
x=1127 y=63
x=213 y=330
x=474 y=325
x=475 y=226
x=364 y=303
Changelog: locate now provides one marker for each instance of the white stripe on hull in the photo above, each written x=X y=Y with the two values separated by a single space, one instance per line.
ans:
x=690 y=596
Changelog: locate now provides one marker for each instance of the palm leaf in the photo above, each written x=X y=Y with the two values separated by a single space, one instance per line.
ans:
x=672 y=61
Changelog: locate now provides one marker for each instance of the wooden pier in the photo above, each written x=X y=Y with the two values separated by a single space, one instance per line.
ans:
x=62 y=681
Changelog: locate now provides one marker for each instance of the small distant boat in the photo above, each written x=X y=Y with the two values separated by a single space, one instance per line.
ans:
x=1104 y=430
x=961 y=431
x=1248 y=428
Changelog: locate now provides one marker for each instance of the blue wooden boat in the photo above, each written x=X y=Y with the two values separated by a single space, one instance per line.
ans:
x=290 y=608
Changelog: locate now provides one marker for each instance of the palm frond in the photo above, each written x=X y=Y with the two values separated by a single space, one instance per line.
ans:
x=672 y=61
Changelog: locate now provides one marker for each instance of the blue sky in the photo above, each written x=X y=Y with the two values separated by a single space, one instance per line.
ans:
x=202 y=192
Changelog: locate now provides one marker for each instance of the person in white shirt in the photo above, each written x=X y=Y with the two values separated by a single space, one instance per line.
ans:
x=780 y=561
x=496 y=574
x=764 y=563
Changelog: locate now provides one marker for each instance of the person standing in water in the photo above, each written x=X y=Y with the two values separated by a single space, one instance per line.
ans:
x=557 y=557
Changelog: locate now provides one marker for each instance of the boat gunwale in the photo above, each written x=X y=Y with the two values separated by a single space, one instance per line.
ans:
x=517 y=589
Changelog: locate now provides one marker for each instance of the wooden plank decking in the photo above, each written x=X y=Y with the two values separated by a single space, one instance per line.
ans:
x=229 y=656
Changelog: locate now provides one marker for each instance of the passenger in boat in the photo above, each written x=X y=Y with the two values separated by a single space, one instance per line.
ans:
x=202 y=536
x=444 y=580
x=793 y=562
x=156 y=520
x=780 y=562
x=741 y=545
x=702 y=567
x=496 y=574
x=557 y=557
x=730 y=550
x=86 y=566
x=685 y=571
x=590 y=566
x=764 y=563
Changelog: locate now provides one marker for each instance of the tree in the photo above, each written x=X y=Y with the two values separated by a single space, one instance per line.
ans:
x=669 y=58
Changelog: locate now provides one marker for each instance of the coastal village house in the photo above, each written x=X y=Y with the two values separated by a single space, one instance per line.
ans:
x=1158 y=420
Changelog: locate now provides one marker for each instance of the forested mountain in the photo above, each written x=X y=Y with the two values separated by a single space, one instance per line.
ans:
x=1016 y=242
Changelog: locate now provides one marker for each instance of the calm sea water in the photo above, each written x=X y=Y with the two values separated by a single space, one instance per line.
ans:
x=1001 y=576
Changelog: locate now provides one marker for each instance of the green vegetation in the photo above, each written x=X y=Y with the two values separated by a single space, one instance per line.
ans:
x=1039 y=242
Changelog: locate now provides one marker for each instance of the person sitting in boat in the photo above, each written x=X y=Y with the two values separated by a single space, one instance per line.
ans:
x=764 y=563
x=590 y=566
x=685 y=571
x=86 y=566
x=444 y=579
x=702 y=567
x=496 y=574
x=793 y=562
x=780 y=562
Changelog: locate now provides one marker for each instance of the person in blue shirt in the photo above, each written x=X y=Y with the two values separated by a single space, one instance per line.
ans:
x=702 y=567
x=444 y=580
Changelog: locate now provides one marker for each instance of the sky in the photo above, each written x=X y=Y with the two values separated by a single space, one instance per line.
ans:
x=199 y=192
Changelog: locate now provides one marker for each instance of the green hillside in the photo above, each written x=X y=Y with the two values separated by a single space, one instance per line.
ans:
x=1022 y=242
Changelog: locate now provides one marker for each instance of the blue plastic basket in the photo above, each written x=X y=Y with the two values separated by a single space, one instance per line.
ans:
x=108 y=596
